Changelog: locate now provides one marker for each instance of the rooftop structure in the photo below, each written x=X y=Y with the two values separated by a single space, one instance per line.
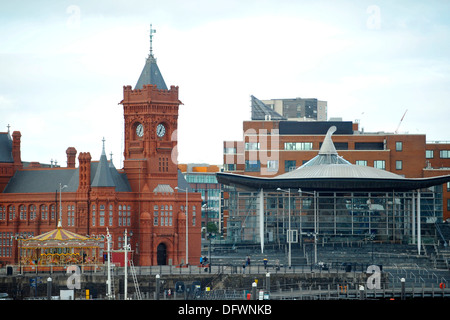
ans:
x=260 y=111
x=299 y=109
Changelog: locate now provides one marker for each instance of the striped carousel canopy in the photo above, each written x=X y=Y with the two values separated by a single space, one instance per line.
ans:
x=60 y=238
x=59 y=234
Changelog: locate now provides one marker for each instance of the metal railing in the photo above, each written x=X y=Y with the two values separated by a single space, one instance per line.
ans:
x=336 y=267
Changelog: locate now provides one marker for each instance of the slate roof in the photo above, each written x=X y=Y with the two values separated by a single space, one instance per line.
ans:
x=48 y=180
x=182 y=183
x=103 y=174
x=5 y=147
x=151 y=75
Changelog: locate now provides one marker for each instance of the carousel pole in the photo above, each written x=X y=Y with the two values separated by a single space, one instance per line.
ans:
x=125 y=247
x=108 y=238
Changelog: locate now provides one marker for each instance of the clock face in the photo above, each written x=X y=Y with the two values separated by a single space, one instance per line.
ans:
x=160 y=130
x=140 y=130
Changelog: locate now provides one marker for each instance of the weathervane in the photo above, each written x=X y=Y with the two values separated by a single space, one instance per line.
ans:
x=152 y=31
x=103 y=140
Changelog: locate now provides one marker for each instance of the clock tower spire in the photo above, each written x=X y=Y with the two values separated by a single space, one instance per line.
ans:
x=150 y=73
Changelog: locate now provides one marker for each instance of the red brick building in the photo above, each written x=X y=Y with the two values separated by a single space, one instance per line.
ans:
x=147 y=197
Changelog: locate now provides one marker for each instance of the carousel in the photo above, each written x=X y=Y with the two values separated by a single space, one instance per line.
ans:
x=57 y=249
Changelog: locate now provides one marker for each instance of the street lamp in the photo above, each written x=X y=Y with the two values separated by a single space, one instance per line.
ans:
x=125 y=249
x=289 y=224
x=109 y=281
x=60 y=206
x=187 y=247
x=205 y=206
x=315 y=221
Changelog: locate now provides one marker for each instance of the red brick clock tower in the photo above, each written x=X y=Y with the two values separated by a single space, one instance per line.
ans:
x=150 y=162
x=150 y=116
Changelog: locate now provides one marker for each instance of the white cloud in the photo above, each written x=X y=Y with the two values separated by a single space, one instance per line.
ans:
x=65 y=69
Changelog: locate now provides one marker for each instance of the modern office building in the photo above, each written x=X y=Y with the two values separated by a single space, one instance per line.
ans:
x=202 y=179
x=279 y=148
x=310 y=109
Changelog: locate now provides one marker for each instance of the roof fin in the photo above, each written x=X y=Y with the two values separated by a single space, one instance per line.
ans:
x=328 y=145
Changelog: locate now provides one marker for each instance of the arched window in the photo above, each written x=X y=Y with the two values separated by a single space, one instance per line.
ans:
x=32 y=212
x=155 y=215
x=11 y=212
x=111 y=212
x=128 y=215
x=71 y=215
x=44 y=212
x=102 y=215
x=52 y=212
x=124 y=215
x=22 y=212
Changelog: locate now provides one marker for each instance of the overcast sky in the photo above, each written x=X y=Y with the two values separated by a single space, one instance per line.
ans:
x=64 y=64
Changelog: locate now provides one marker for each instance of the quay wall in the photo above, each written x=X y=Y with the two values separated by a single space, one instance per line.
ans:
x=24 y=286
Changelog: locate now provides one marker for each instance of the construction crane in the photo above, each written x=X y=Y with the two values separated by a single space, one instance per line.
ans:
x=396 y=130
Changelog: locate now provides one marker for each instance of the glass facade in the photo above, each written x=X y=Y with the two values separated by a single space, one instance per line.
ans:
x=333 y=216
x=207 y=185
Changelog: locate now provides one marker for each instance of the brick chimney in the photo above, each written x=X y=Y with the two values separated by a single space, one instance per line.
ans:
x=16 y=150
x=71 y=156
x=84 y=182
